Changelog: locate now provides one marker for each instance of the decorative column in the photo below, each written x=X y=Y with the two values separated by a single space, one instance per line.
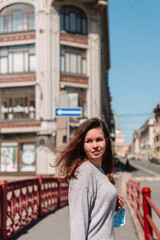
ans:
x=94 y=64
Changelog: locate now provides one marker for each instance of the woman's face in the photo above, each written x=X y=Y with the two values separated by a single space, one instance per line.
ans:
x=95 y=145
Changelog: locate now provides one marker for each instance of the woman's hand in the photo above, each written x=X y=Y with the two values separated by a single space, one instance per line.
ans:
x=120 y=202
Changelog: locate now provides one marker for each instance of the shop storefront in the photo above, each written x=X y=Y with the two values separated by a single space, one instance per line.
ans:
x=18 y=155
x=18 y=150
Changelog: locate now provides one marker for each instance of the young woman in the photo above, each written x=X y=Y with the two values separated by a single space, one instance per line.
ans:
x=87 y=161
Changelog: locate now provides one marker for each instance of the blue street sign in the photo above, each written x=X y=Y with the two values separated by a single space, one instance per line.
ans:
x=68 y=112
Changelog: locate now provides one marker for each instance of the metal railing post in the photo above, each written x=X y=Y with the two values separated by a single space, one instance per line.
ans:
x=3 y=232
x=136 y=196
x=146 y=192
x=130 y=192
x=59 y=192
x=39 y=195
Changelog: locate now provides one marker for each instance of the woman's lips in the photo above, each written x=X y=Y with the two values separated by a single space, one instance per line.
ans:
x=96 y=153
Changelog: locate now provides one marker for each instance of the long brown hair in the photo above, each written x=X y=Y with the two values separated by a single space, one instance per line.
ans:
x=74 y=155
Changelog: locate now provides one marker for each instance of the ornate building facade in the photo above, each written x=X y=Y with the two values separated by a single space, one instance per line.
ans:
x=157 y=129
x=120 y=146
x=49 y=47
x=143 y=140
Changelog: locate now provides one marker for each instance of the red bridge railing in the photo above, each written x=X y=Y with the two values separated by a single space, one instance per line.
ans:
x=22 y=202
x=140 y=201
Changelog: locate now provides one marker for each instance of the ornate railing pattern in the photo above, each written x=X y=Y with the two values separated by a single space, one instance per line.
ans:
x=49 y=195
x=21 y=202
x=63 y=193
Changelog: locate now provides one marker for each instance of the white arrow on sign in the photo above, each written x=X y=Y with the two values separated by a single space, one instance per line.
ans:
x=77 y=112
x=60 y=112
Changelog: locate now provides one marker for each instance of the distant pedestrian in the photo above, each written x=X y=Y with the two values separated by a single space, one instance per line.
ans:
x=87 y=161
x=127 y=165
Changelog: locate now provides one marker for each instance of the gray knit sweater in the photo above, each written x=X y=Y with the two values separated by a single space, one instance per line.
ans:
x=92 y=200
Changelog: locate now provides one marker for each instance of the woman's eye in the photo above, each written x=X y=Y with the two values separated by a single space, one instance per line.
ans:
x=87 y=141
x=99 y=139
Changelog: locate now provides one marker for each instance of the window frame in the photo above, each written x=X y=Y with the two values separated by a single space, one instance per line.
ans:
x=73 y=51
x=9 y=97
x=26 y=10
x=66 y=12
x=10 y=53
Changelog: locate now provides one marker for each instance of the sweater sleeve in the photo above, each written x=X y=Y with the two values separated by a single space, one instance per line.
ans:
x=80 y=201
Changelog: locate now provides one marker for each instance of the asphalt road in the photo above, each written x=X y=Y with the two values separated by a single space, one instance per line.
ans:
x=141 y=167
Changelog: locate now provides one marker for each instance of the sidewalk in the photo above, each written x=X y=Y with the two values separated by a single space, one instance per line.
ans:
x=55 y=226
x=128 y=231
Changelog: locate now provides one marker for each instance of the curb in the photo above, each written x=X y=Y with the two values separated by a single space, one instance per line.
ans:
x=136 y=222
x=123 y=178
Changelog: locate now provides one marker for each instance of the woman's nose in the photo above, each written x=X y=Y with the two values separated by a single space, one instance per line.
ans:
x=95 y=144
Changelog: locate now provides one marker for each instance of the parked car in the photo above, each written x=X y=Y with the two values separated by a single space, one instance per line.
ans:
x=130 y=157
x=155 y=160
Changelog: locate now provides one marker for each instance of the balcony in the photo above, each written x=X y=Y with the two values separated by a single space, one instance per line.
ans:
x=99 y=3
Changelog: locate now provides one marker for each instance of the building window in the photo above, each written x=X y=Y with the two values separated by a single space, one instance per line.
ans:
x=15 y=59
x=17 y=103
x=73 y=60
x=73 y=20
x=17 y=17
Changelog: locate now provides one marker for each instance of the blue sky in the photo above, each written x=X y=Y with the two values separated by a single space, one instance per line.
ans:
x=134 y=76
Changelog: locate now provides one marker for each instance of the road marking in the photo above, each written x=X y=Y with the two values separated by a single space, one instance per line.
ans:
x=149 y=179
x=144 y=169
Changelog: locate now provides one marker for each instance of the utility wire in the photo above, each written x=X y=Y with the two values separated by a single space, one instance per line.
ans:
x=130 y=121
x=124 y=14
x=134 y=114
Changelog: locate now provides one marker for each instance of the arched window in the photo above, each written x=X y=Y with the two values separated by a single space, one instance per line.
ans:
x=73 y=20
x=17 y=17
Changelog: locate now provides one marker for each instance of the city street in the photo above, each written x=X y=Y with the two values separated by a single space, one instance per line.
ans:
x=76 y=79
x=152 y=169
x=148 y=174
